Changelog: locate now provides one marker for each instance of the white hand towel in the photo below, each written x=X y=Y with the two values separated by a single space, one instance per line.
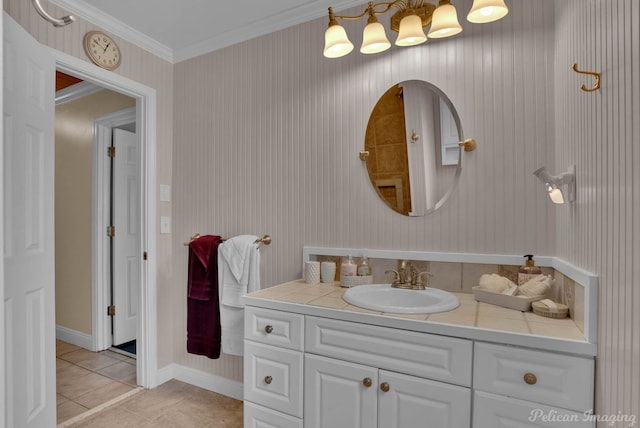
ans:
x=238 y=274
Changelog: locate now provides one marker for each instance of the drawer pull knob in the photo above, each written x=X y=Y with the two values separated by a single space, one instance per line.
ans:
x=367 y=382
x=384 y=386
x=268 y=329
x=268 y=379
x=530 y=379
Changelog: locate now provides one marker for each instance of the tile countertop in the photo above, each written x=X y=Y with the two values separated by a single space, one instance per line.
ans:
x=471 y=320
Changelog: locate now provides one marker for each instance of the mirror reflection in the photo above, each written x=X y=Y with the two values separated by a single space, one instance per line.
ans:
x=412 y=139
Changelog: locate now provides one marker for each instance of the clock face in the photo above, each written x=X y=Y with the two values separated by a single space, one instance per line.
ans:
x=102 y=50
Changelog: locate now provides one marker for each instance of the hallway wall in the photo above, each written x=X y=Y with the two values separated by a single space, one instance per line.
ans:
x=73 y=217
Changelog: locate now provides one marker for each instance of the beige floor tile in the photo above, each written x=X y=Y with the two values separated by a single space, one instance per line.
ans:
x=74 y=388
x=121 y=370
x=64 y=347
x=68 y=409
x=69 y=374
x=77 y=355
x=97 y=362
x=61 y=364
x=103 y=394
x=115 y=416
x=155 y=402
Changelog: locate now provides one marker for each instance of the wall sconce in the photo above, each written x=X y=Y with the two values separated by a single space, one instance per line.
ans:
x=553 y=184
x=409 y=22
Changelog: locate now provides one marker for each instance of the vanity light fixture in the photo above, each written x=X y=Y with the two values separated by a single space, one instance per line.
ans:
x=409 y=22
x=554 y=183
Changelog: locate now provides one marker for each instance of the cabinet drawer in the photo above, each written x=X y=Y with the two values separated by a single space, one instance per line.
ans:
x=273 y=377
x=276 y=328
x=260 y=417
x=501 y=412
x=543 y=377
x=426 y=355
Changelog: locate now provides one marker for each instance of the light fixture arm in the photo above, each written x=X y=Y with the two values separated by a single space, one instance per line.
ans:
x=371 y=10
x=57 y=22
x=567 y=179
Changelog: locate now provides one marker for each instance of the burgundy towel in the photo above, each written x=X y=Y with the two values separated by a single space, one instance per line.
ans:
x=203 y=308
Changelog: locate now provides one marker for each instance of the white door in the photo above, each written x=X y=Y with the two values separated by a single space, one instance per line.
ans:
x=338 y=394
x=28 y=151
x=410 y=402
x=126 y=242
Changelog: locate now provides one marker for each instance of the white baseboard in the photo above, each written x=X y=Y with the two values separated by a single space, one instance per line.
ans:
x=74 y=337
x=230 y=388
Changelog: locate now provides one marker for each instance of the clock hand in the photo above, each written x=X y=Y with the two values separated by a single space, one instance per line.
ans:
x=106 y=47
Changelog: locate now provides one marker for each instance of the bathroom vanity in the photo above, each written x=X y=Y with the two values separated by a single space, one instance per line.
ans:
x=313 y=361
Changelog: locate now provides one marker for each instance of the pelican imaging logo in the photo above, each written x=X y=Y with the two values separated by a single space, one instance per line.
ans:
x=553 y=416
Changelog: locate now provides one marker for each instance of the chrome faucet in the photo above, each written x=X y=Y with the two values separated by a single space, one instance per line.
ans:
x=408 y=277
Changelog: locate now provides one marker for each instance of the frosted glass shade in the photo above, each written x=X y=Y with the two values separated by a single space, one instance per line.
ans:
x=484 y=11
x=444 y=22
x=374 y=39
x=336 y=42
x=556 y=196
x=411 y=32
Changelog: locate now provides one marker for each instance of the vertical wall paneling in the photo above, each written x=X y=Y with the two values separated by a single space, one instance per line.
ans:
x=599 y=133
x=267 y=135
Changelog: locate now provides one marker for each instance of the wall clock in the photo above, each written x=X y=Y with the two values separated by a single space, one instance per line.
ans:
x=102 y=50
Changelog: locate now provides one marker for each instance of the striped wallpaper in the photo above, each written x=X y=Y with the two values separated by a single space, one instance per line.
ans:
x=263 y=137
x=267 y=135
x=599 y=132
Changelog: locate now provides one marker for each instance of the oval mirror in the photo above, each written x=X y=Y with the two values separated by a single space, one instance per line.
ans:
x=412 y=137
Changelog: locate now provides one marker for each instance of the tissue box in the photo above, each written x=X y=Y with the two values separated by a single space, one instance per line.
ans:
x=519 y=303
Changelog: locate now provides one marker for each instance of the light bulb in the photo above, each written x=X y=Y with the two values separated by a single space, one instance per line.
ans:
x=484 y=11
x=411 y=32
x=336 y=42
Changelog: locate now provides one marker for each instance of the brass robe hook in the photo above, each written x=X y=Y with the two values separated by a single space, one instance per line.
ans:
x=596 y=85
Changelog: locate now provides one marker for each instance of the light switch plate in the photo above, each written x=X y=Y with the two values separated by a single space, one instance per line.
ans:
x=165 y=193
x=165 y=224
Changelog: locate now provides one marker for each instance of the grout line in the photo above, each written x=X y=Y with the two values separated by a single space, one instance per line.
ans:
x=99 y=408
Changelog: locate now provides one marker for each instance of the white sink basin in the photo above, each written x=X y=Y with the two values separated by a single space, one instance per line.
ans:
x=381 y=297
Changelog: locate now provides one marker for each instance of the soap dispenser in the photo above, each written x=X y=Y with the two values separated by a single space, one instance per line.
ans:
x=348 y=267
x=529 y=270
x=364 y=269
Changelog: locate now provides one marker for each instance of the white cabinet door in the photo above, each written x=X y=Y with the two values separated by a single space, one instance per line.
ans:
x=339 y=394
x=412 y=402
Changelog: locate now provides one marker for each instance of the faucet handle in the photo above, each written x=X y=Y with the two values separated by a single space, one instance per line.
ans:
x=424 y=283
x=395 y=273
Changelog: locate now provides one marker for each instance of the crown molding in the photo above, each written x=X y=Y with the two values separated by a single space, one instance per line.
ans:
x=279 y=21
x=271 y=24
x=115 y=27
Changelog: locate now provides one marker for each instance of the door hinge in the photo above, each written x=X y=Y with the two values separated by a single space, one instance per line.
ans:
x=145 y=256
x=111 y=231
x=111 y=152
x=111 y=310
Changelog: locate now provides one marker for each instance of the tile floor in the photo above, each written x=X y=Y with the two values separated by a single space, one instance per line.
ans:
x=87 y=381
x=172 y=404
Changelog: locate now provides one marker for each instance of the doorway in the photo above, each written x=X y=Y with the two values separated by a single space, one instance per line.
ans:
x=145 y=119
x=88 y=264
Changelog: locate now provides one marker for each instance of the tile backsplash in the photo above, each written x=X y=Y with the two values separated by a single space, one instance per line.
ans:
x=461 y=277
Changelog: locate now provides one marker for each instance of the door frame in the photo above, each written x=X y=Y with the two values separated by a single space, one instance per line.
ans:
x=100 y=199
x=146 y=112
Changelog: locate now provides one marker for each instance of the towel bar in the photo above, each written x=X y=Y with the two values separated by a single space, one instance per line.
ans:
x=266 y=240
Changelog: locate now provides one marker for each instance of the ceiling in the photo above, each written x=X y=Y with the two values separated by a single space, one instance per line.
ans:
x=177 y=30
